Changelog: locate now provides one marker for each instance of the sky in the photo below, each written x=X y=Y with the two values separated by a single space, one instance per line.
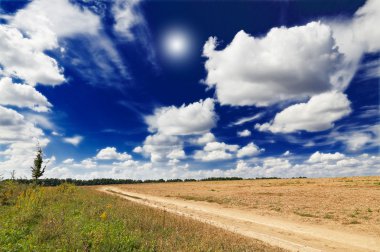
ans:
x=190 y=89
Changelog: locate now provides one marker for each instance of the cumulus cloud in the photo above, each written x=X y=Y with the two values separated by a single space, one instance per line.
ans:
x=22 y=96
x=244 y=133
x=195 y=118
x=23 y=57
x=249 y=150
x=204 y=139
x=75 y=140
x=176 y=154
x=212 y=155
x=39 y=120
x=68 y=161
x=88 y=163
x=110 y=153
x=319 y=157
x=160 y=147
x=221 y=146
x=42 y=17
x=14 y=127
x=318 y=114
x=266 y=167
x=214 y=151
x=264 y=71
x=280 y=167
x=35 y=29
x=18 y=138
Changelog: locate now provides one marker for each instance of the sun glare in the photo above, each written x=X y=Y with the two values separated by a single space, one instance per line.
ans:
x=176 y=44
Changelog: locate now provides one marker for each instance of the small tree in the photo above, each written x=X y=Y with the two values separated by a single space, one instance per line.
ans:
x=37 y=169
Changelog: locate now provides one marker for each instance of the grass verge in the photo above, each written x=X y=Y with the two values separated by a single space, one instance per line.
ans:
x=68 y=218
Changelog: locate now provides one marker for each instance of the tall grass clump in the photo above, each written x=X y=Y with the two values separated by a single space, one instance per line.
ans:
x=69 y=218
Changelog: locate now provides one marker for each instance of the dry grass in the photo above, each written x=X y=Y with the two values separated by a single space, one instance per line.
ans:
x=348 y=203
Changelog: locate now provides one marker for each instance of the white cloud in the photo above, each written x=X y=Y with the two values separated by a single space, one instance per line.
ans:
x=267 y=167
x=23 y=57
x=204 y=139
x=319 y=157
x=68 y=161
x=126 y=17
x=88 y=163
x=318 y=114
x=244 y=133
x=356 y=141
x=249 y=150
x=214 y=151
x=138 y=149
x=271 y=68
x=280 y=167
x=110 y=153
x=19 y=139
x=75 y=140
x=14 y=127
x=358 y=36
x=55 y=133
x=41 y=17
x=196 y=118
x=43 y=22
x=263 y=71
x=247 y=119
x=221 y=146
x=21 y=95
x=158 y=147
x=287 y=153
x=131 y=25
x=358 y=138
x=212 y=155
x=176 y=154
x=40 y=120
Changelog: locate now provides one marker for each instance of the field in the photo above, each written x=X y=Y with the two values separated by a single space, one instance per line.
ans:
x=348 y=205
x=331 y=214
x=69 y=218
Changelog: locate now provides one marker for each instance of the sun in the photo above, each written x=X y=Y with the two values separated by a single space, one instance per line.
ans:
x=176 y=44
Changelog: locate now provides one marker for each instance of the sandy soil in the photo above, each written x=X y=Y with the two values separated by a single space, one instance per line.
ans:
x=278 y=231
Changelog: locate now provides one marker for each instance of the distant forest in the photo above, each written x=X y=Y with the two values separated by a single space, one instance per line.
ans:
x=109 y=181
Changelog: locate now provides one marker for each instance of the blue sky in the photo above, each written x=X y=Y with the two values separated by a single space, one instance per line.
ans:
x=190 y=89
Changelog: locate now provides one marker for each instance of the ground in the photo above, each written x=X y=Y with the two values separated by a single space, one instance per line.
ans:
x=346 y=205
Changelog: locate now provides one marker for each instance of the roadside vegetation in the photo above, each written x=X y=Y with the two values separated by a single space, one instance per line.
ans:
x=70 y=218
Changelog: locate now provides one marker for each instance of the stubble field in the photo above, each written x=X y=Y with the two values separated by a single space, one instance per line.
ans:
x=350 y=204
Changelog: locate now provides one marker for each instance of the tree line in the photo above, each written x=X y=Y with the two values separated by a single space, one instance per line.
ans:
x=110 y=181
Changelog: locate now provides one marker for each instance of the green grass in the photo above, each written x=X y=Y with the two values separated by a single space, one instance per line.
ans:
x=68 y=218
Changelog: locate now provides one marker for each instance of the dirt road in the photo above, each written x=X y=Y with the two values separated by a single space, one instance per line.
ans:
x=274 y=231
